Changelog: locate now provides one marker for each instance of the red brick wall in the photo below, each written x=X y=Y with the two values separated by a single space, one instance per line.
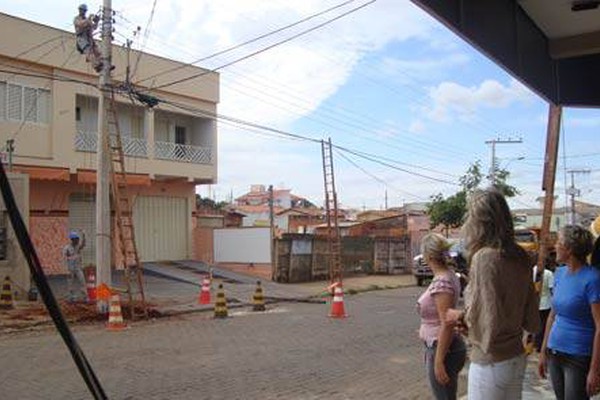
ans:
x=203 y=244
x=49 y=235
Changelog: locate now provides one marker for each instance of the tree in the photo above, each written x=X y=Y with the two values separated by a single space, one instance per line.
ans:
x=209 y=204
x=450 y=212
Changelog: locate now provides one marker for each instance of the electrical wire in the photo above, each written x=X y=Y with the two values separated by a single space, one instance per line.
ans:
x=264 y=49
x=250 y=41
x=376 y=178
x=146 y=34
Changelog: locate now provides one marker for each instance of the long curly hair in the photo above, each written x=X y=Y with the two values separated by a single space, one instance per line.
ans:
x=489 y=223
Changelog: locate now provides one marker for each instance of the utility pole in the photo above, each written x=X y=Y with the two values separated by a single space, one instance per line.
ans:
x=10 y=148
x=493 y=163
x=573 y=192
x=272 y=230
x=386 y=199
x=103 y=231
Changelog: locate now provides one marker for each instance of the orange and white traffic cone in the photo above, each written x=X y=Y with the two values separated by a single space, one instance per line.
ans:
x=337 y=305
x=205 y=292
x=115 y=318
x=91 y=287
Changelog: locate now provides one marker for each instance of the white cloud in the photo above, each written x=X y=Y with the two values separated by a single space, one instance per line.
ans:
x=418 y=71
x=451 y=100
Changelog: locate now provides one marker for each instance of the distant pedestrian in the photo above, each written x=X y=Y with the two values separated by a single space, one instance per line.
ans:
x=74 y=263
x=445 y=350
x=500 y=300
x=571 y=347
x=84 y=33
x=546 y=281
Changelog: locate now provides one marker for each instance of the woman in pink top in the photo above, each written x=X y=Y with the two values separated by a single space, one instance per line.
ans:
x=445 y=350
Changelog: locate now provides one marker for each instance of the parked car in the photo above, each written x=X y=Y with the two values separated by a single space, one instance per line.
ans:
x=422 y=272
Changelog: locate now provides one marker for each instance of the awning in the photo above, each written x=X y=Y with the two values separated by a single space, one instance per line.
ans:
x=45 y=174
x=89 y=177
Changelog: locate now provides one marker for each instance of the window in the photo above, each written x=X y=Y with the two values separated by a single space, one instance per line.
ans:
x=22 y=103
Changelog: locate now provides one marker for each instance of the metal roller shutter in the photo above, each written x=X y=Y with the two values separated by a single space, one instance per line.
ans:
x=161 y=227
x=82 y=216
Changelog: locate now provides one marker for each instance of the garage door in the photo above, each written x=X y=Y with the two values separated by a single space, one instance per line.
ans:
x=161 y=227
x=82 y=216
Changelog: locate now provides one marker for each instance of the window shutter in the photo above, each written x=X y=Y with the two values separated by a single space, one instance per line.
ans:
x=15 y=102
x=2 y=100
x=43 y=105
x=30 y=104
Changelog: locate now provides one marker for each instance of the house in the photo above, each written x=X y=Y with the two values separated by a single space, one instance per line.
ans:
x=49 y=106
x=291 y=213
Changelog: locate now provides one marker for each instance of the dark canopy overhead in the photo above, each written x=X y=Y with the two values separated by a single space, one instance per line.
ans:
x=552 y=46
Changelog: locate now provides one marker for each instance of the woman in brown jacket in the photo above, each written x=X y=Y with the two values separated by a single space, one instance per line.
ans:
x=500 y=300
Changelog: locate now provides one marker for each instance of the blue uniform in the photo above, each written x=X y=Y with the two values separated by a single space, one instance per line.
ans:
x=573 y=328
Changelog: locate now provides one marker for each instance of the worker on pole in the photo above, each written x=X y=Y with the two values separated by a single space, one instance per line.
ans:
x=84 y=30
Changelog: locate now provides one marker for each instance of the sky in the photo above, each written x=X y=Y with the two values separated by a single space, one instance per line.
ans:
x=386 y=80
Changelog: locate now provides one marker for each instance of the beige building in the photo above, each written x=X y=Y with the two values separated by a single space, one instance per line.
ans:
x=49 y=106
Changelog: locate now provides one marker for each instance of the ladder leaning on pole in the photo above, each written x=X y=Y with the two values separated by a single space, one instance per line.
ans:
x=123 y=206
x=333 y=231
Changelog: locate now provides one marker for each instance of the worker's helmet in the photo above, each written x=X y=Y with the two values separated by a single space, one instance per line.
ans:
x=83 y=7
x=73 y=235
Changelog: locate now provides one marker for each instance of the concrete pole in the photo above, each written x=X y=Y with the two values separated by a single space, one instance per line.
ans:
x=493 y=162
x=103 y=231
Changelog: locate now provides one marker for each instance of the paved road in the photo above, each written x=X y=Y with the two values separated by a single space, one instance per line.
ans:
x=292 y=352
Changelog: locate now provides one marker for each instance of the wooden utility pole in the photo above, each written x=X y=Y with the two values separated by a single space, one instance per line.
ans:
x=548 y=179
x=103 y=231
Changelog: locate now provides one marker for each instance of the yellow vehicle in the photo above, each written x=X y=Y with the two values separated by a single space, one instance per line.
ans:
x=528 y=239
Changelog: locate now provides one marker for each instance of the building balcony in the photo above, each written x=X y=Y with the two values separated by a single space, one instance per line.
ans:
x=136 y=147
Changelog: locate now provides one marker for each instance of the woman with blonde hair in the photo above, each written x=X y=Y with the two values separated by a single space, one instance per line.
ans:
x=445 y=350
x=500 y=300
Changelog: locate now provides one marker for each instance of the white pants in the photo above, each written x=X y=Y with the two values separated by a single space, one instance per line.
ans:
x=497 y=381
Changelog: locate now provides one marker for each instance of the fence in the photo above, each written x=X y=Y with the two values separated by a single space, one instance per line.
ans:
x=303 y=258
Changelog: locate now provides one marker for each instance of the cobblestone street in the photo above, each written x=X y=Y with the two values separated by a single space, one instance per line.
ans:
x=291 y=352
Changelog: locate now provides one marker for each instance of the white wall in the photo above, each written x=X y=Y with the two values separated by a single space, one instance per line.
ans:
x=242 y=245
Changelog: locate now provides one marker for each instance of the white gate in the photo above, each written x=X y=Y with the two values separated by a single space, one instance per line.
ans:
x=161 y=227
x=242 y=245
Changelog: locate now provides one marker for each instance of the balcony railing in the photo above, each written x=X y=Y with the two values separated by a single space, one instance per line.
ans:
x=86 y=141
x=134 y=147
x=183 y=152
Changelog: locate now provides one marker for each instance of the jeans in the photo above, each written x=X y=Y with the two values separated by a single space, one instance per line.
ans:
x=454 y=362
x=76 y=283
x=497 y=381
x=568 y=374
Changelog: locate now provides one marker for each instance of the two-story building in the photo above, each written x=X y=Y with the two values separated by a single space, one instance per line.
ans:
x=49 y=106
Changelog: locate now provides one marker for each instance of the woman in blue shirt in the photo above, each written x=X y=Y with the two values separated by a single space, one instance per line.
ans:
x=571 y=347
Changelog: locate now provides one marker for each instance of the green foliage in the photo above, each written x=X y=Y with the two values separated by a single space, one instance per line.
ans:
x=450 y=211
x=209 y=204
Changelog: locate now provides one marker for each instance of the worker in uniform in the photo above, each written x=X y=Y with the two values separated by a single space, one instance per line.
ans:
x=72 y=254
x=84 y=30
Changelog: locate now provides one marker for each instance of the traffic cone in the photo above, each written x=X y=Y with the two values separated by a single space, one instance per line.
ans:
x=115 y=318
x=6 y=296
x=337 y=305
x=258 y=299
x=204 y=297
x=221 y=303
x=91 y=287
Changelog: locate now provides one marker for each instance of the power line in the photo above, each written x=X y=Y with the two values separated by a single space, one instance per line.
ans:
x=146 y=34
x=250 y=41
x=255 y=53
x=375 y=177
